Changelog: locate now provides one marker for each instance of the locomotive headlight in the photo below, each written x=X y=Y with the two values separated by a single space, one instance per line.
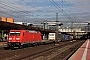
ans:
x=10 y=38
x=17 y=38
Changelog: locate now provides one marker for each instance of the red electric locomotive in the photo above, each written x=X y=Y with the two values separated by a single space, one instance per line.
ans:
x=20 y=38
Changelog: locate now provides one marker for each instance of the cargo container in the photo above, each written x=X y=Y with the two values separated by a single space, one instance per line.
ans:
x=66 y=37
x=51 y=36
x=61 y=37
x=3 y=19
x=11 y=20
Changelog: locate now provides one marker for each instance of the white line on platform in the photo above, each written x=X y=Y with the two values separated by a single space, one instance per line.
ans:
x=85 y=52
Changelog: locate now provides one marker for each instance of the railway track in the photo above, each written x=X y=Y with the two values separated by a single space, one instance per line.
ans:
x=57 y=53
x=43 y=52
x=10 y=54
x=67 y=52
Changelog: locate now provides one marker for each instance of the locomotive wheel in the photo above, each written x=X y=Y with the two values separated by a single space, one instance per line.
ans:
x=21 y=47
x=12 y=48
x=37 y=44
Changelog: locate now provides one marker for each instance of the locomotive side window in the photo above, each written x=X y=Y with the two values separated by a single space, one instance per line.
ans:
x=15 y=33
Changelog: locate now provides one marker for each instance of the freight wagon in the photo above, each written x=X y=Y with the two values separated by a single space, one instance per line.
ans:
x=21 y=38
x=61 y=37
x=52 y=36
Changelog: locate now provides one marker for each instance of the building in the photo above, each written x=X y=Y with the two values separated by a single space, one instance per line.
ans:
x=22 y=23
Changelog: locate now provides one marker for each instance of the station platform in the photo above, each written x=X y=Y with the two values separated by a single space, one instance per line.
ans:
x=83 y=53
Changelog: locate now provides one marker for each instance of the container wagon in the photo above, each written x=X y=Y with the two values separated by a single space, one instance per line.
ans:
x=21 y=38
x=61 y=37
x=52 y=36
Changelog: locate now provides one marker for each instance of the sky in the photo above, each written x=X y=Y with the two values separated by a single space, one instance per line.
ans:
x=33 y=11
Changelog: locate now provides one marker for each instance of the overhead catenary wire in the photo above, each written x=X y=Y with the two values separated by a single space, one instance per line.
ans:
x=36 y=9
x=21 y=12
x=9 y=14
x=60 y=9
x=64 y=12
x=31 y=6
x=75 y=16
x=16 y=11
x=12 y=9
x=70 y=10
x=9 y=10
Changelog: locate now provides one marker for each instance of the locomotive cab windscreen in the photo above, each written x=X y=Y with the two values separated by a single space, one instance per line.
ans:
x=14 y=36
x=14 y=33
